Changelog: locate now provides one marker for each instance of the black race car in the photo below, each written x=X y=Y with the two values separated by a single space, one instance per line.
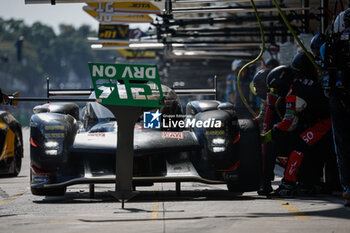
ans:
x=11 y=145
x=66 y=151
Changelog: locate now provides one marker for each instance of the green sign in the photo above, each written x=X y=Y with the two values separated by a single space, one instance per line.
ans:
x=130 y=85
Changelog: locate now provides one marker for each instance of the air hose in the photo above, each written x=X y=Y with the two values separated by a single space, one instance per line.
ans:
x=296 y=37
x=244 y=100
x=300 y=44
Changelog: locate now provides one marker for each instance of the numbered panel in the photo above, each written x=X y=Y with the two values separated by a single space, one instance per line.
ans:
x=114 y=32
x=130 y=85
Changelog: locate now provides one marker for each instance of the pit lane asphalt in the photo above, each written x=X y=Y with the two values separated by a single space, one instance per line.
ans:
x=200 y=208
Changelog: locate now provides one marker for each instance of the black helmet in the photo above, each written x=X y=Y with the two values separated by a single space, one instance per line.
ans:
x=303 y=65
x=316 y=43
x=280 y=79
x=271 y=64
x=259 y=82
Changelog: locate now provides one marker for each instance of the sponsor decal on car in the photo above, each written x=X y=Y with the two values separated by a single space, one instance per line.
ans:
x=54 y=127
x=97 y=134
x=54 y=135
x=177 y=135
x=215 y=132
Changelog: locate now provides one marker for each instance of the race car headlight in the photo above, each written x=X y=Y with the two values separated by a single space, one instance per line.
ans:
x=218 y=141
x=51 y=152
x=219 y=149
x=52 y=148
x=51 y=144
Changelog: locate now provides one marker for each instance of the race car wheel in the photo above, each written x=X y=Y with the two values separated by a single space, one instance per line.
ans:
x=46 y=191
x=250 y=168
x=17 y=159
x=234 y=189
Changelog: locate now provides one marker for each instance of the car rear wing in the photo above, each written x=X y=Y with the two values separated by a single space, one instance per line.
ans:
x=88 y=92
x=60 y=96
x=79 y=95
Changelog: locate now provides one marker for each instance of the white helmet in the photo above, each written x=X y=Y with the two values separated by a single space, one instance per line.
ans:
x=236 y=64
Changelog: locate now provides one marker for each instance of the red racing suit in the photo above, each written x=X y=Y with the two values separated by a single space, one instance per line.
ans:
x=267 y=118
x=306 y=118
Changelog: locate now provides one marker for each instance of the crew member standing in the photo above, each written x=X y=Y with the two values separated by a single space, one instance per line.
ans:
x=336 y=55
x=305 y=122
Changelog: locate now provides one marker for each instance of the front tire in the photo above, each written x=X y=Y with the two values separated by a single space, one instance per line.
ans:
x=234 y=188
x=46 y=191
x=250 y=168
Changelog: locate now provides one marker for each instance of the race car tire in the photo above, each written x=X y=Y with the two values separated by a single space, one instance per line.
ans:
x=17 y=159
x=46 y=191
x=197 y=106
x=232 y=188
x=250 y=168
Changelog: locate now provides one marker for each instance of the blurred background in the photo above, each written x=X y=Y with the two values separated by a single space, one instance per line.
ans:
x=43 y=41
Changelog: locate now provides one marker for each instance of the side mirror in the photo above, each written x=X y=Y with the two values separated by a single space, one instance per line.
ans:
x=84 y=113
x=41 y=108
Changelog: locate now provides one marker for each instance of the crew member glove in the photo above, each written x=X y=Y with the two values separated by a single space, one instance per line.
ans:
x=266 y=137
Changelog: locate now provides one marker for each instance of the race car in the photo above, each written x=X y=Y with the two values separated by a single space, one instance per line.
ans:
x=11 y=145
x=67 y=150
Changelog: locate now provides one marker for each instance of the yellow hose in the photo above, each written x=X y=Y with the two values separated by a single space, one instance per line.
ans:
x=296 y=37
x=244 y=100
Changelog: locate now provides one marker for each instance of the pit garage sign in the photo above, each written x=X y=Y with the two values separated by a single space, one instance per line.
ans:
x=61 y=1
x=129 y=85
x=123 y=12
x=122 y=32
x=114 y=19
x=119 y=32
x=78 y=1
x=53 y=1
x=123 y=8
x=114 y=32
x=137 y=54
